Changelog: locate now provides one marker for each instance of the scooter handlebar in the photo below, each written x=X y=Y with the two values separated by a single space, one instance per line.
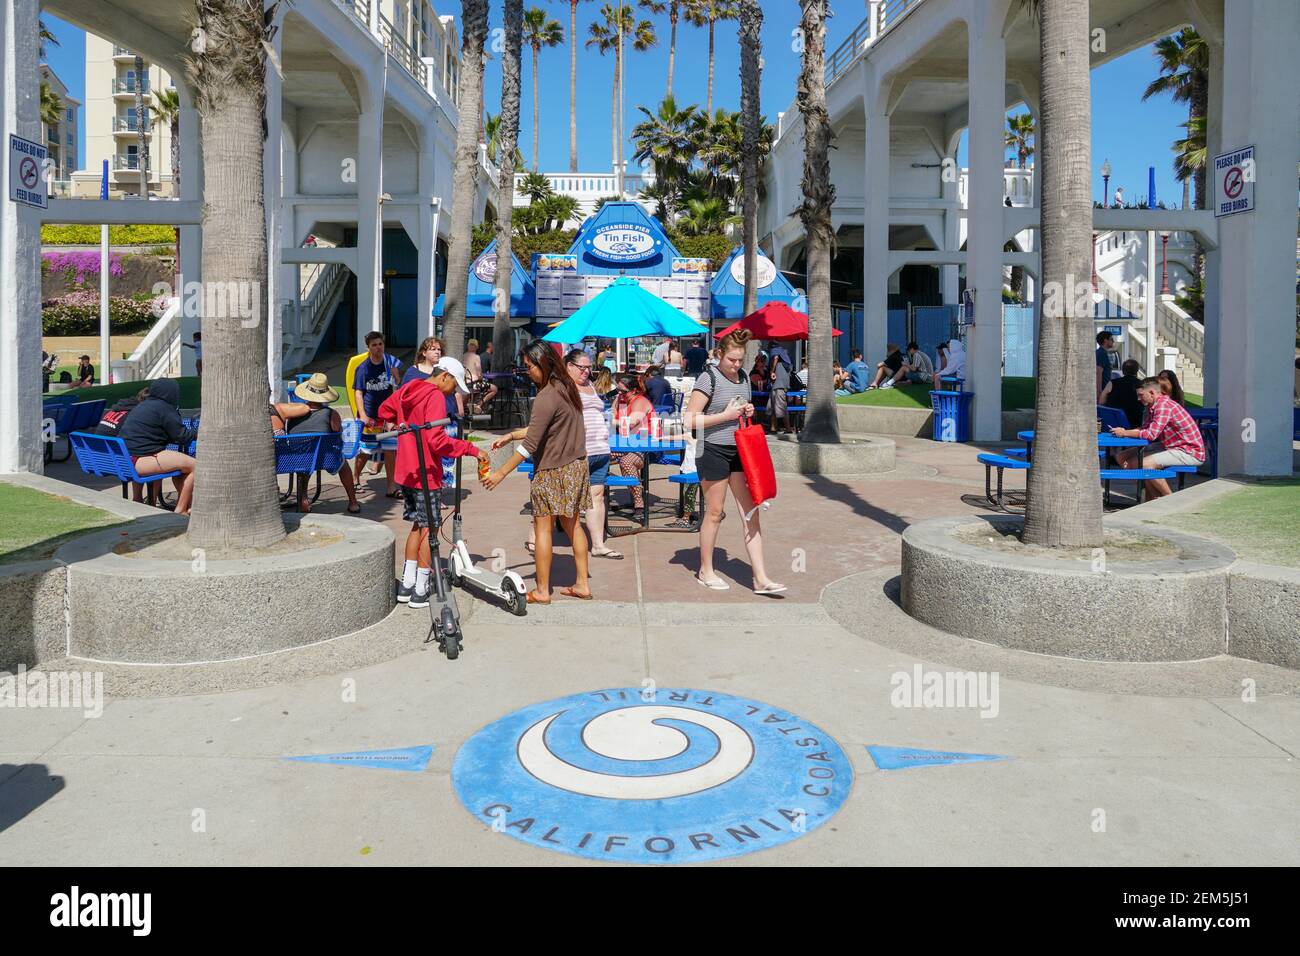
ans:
x=404 y=429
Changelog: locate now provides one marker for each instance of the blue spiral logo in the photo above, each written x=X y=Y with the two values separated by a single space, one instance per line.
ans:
x=687 y=775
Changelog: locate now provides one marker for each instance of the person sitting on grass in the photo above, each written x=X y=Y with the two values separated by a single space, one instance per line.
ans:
x=856 y=375
x=892 y=371
x=416 y=403
x=1174 y=436
x=85 y=373
x=314 y=414
x=919 y=367
x=153 y=425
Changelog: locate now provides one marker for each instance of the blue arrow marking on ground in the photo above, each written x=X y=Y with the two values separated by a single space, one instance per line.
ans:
x=400 y=758
x=900 y=758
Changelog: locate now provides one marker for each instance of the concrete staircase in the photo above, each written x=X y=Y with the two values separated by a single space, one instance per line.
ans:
x=1174 y=329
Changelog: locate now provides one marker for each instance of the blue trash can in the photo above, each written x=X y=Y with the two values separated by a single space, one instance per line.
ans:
x=951 y=415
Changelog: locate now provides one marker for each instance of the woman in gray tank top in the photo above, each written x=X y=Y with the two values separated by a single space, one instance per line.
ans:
x=720 y=399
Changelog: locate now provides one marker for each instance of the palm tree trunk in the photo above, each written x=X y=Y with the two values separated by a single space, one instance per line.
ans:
x=536 y=50
x=1064 y=494
x=672 y=48
x=474 y=14
x=142 y=128
x=751 y=50
x=618 y=119
x=573 y=87
x=708 y=109
x=236 y=504
x=508 y=131
x=822 y=423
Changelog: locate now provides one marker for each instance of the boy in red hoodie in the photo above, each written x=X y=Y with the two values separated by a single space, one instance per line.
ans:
x=415 y=403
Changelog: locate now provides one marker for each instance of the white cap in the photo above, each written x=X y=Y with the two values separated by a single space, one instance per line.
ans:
x=453 y=368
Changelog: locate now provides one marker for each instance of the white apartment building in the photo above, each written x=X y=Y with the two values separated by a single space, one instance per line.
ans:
x=589 y=188
x=62 y=138
x=110 y=128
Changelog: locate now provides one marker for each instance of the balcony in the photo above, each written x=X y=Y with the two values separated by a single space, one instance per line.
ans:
x=128 y=125
x=122 y=54
x=127 y=87
x=402 y=52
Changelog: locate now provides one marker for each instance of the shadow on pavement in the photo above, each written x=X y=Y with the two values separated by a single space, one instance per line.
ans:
x=23 y=788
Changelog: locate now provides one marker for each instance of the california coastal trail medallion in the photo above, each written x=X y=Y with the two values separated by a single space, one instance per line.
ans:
x=644 y=776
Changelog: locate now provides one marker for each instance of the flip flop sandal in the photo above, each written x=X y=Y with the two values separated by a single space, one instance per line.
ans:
x=354 y=509
x=532 y=598
x=396 y=494
x=569 y=592
x=718 y=585
x=608 y=553
x=530 y=547
x=773 y=589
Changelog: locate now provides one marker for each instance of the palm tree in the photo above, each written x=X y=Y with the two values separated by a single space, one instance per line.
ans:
x=674 y=8
x=236 y=504
x=45 y=37
x=1063 y=499
x=666 y=139
x=492 y=138
x=619 y=24
x=469 y=98
x=508 y=133
x=51 y=105
x=1189 y=152
x=539 y=31
x=705 y=13
x=573 y=85
x=751 y=127
x=1185 y=76
x=536 y=187
x=142 y=125
x=1020 y=130
x=822 y=423
x=558 y=210
x=167 y=112
x=705 y=215
x=718 y=145
x=603 y=201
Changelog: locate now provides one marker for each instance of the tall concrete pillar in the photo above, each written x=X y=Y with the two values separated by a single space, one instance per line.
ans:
x=1261 y=79
x=272 y=159
x=190 y=264
x=984 y=225
x=20 y=249
x=370 y=229
x=875 y=224
x=1213 y=257
x=426 y=243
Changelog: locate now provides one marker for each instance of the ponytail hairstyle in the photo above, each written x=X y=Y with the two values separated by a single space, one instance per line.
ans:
x=734 y=340
x=540 y=353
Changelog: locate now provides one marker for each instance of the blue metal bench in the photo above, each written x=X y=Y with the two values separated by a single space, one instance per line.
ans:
x=108 y=458
x=302 y=453
x=1002 y=463
x=76 y=417
x=682 y=480
x=1139 y=475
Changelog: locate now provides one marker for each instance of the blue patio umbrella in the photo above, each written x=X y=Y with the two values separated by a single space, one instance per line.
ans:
x=624 y=311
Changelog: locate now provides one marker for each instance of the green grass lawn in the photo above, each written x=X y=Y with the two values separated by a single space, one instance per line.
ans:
x=33 y=524
x=1016 y=393
x=1260 y=522
x=111 y=393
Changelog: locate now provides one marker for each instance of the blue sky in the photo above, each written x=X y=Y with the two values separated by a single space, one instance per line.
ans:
x=1131 y=134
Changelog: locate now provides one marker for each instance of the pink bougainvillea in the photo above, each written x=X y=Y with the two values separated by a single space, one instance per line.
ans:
x=81 y=264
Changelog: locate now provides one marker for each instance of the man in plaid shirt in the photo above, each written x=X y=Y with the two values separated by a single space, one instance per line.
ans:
x=1174 y=436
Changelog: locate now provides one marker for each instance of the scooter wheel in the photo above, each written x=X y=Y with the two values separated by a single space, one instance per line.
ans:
x=514 y=597
x=451 y=646
x=452 y=578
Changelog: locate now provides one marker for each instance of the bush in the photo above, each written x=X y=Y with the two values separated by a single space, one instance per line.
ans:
x=55 y=235
x=78 y=314
x=712 y=246
x=557 y=241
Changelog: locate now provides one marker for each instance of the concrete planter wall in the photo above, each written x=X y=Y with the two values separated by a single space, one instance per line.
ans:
x=141 y=610
x=914 y=422
x=1160 y=610
x=32 y=623
x=1264 y=613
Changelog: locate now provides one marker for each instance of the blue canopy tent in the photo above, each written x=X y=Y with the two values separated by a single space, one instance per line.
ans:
x=481 y=291
x=728 y=289
x=624 y=311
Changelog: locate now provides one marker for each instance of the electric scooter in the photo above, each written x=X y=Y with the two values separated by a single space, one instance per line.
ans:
x=445 y=615
x=506 y=587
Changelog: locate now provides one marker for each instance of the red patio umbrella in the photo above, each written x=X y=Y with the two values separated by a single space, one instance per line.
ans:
x=777 y=321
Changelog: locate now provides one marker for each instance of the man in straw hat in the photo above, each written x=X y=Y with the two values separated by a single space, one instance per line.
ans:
x=311 y=414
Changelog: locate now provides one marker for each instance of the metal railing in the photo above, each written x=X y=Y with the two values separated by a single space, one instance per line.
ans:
x=847 y=53
x=401 y=51
x=359 y=9
x=126 y=162
x=121 y=125
x=123 y=51
x=128 y=86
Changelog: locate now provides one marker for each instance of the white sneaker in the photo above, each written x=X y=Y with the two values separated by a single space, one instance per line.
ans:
x=887 y=385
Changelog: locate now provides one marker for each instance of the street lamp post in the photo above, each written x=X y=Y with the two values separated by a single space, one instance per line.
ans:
x=1105 y=183
x=1164 y=263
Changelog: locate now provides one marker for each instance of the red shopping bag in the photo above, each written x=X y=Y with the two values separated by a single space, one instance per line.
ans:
x=756 y=460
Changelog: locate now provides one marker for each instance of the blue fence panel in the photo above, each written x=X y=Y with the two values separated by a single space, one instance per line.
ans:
x=933 y=325
x=849 y=321
x=1018 y=351
x=897 y=328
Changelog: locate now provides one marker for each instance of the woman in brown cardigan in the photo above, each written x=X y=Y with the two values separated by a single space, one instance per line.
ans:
x=557 y=443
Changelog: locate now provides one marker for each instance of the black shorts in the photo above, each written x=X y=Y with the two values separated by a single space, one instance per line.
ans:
x=413 y=509
x=716 y=462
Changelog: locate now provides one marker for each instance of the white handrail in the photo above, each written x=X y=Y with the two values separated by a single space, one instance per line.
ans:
x=159 y=355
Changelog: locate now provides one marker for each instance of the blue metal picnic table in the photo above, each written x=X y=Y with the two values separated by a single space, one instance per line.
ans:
x=645 y=446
